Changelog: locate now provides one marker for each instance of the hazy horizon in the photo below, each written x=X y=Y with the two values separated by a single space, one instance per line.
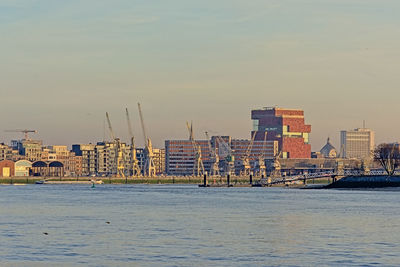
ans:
x=65 y=63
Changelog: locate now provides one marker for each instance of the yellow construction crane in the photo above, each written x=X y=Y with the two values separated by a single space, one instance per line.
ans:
x=198 y=167
x=134 y=163
x=227 y=154
x=245 y=166
x=261 y=159
x=149 y=166
x=24 y=131
x=214 y=158
x=119 y=160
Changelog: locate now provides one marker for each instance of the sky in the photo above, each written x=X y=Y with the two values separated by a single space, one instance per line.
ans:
x=63 y=64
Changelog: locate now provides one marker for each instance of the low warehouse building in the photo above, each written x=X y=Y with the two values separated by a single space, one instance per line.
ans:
x=7 y=168
x=40 y=168
x=56 y=168
x=23 y=168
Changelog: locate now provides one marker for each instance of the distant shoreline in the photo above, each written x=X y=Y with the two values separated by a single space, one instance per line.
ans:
x=129 y=180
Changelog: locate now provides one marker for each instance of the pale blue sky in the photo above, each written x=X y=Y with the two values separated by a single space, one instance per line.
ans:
x=65 y=63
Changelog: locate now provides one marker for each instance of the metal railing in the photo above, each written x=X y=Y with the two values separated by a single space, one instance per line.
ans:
x=307 y=176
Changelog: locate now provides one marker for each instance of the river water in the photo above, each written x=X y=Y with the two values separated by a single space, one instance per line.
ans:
x=183 y=225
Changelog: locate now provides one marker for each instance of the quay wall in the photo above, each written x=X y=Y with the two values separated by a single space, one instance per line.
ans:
x=373 y=181
x=130 y=180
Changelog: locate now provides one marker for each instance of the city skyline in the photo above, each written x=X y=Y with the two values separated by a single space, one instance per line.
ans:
x=65 y=64
x=33 y=135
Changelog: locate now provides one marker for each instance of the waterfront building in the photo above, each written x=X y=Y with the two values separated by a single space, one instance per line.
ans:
x=358 y=143
x=88 y=158
x=30 y=149
x=140 y=156
x=78 y=165
x=7 y=168
x=180 y=156
x=240 y=146
x=287 y=126
x=5 y=152
x=159 y=160
x=106 y=158
x=23 y=168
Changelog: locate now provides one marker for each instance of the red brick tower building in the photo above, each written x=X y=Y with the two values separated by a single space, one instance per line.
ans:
x=287 y=126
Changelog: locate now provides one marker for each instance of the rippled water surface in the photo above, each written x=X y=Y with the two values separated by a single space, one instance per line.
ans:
x=170 y=225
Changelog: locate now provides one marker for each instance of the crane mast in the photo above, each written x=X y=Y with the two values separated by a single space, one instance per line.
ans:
x=118 y=160
x=149 y=166
x=261 y=158
x=198 y=166
x=229 y=159
x=214 y=158
x=245 y=160
x=134 y=163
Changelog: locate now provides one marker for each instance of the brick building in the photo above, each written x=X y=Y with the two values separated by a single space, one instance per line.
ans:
x=287 y=126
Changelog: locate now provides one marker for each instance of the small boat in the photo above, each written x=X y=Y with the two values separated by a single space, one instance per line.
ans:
x=39 y=182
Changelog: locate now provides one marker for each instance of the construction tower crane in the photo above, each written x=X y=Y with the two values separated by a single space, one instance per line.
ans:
x=119 y=160
x=149 y=166
x=260 y=168
x=214 y=158
x=198 y=166
x=134 y=163
x=245 y=166
x=229 y=159
x=24 y=131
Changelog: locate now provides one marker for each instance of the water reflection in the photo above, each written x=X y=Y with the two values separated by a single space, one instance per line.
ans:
x=186 y=225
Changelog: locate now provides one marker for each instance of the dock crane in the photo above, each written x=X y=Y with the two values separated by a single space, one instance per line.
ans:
x=245 y=166
x=260 y=168
x=149 y=166
x=198 y=166
x=134 y=163
x=214 y=158
x=24 y=131
x=229 y=159
x=119 y=161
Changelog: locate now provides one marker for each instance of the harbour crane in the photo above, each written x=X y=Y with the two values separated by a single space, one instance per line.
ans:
x=118 y=160
x=198 y=166
x=260 y=169
x=149 y=166
x=24 y=131
x=245 y=166
x=214 y=158
x=229 y=159
x=134 y=163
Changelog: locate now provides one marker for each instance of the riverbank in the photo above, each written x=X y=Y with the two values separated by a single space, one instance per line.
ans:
x=130 y=180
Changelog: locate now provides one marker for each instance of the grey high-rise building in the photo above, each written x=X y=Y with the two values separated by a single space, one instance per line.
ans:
x=357 y=143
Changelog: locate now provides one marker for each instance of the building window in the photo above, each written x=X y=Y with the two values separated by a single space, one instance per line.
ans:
x=255 y=125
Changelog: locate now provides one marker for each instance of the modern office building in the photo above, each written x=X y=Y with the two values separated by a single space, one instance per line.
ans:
x=357 y=143
x=30 y=149
x=268 y=150
x=88 y=155
x=180 y=156
x=287 y=126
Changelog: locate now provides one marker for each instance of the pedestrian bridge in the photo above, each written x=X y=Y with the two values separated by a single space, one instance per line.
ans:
x=317 y=175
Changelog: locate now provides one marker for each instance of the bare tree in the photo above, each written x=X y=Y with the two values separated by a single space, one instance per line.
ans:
x=388 y=155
